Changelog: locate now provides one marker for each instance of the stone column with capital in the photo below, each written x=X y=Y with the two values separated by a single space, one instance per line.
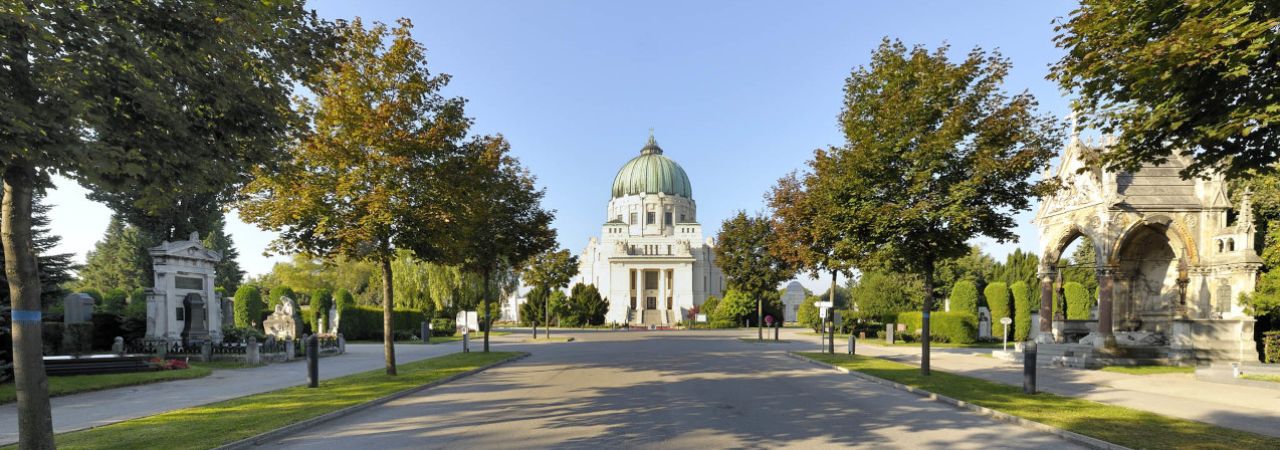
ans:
x=1046 y=303
x=1106 y=287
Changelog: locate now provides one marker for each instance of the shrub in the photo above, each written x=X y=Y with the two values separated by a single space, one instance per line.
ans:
x=240 y=334
x=964 y=298
x=1271 y=347
x=709 y=307
x=999 y=302
x=1079 y=302
x=321 y=301
x=735 y=307
x=808 y=314
x=52 y=337
x=443 y=327
x=136 y=309
x=953 y=327
x=721 y=323
x=1023 y=306
x=106 y=327
x=365 y=322
x=280 y=291
x=342 y=298
x=113 y=302
x=247 y=307
x=77 y=338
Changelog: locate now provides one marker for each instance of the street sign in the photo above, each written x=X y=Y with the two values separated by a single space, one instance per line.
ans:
x=823 y=304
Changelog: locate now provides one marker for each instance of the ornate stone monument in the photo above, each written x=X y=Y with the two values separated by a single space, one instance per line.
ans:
x=285 y=322
x=182 y=304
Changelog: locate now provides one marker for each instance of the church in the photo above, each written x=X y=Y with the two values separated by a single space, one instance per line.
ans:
x=651 y=261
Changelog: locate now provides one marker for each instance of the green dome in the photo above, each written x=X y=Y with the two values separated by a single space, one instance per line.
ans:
x=651 y=173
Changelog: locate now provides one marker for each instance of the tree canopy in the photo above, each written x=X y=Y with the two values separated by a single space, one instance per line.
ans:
x=1196 y=78
x=743 y=253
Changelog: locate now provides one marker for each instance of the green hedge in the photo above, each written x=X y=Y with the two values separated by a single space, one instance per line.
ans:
x=365 y=322
x=444 y=327
x=1023 y=306
x=1079 y=302
x=1271 y=347
x=964 y=298
x=953 y=327
x=998 y=301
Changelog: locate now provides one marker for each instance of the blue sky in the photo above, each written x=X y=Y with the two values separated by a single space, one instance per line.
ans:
x=738 y=92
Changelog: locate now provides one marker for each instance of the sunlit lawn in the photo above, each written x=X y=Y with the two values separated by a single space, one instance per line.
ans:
x=227 y=421
x=1148 y=370
x=66 y=385
x=1271 y=378
x=1115 y=424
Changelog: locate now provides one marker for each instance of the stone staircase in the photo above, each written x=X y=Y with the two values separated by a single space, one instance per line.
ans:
x=1087 y=357
x=652 y=317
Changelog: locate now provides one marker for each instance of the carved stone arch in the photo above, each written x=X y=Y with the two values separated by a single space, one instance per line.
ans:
x=1062 y=237
x=1176 y=233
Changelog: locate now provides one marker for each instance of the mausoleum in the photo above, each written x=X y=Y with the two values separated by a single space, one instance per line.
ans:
x=182 y=305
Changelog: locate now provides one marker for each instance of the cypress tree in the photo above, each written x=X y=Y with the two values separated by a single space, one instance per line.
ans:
x=998 y=300
x=248 y=307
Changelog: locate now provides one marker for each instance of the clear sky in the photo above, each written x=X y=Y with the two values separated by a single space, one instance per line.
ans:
x=738 y=92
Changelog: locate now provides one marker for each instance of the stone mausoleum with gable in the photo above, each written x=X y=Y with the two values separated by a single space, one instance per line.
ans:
x=1173 y=258
x=651 y=260
x=183 y=306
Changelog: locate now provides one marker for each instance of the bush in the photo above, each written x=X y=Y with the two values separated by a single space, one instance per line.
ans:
x=52 y=337
x=106 y=327
x=735 y=307
x=709 y=307
x=721 y=323
x=808 y=314
x=1023 y=306
x=342 y=298
x=136 y=309
x=113 y=302
x=952 y=327
x=964 y=298
x=365 y=322
x=999 y=302
x=443 y=327
x=240 y=334
x=248 y=303
x=1079 y=302
x=1271 y=347
x=321 y=301
x=77 y=338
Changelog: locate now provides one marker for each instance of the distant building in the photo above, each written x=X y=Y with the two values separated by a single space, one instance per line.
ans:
x=791 y=300
x=651 y=261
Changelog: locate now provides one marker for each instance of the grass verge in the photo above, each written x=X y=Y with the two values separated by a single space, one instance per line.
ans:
x=1115 y=424
x=73 y=384
x=228 y=421
x=1270 y=378
x=1148 y=370
x=768 y=340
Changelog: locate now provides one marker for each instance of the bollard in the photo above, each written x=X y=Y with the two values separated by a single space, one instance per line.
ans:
x=313 y=361
x=776 y=327
x=426 y=332
x=466 y=343
x=1029 y=368
x=852 y=343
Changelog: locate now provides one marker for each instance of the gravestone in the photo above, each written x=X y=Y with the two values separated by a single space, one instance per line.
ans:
x=335 y=315
x=77 y=308
x=888 y=333
x=285 y=322
x=984 y=322
x=195 y=325
x=117 y=346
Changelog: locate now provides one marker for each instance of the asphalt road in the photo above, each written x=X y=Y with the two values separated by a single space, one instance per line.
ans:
x=697 y=389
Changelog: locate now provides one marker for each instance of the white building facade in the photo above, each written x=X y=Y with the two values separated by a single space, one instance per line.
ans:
x=651 y=261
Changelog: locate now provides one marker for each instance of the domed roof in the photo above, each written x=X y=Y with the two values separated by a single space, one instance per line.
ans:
x=651 y=173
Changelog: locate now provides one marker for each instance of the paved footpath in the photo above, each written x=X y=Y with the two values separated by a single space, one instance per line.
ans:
x=1246 y=408
x=702 y=389
x=91 y=409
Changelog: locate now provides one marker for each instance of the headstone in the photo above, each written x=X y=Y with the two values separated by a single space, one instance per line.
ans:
x=334 y=315
x=77 y=308
x=195 y=326
x=285 y=322
x=888 y=333
x=206 y=350
x=117 y=346
x=984 y=322
x=288 y=349
x=251 y=355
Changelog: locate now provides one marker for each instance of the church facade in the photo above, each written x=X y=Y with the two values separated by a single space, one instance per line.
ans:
x=651 y=260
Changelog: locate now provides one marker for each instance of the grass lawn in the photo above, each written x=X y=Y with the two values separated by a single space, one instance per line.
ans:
x=1148 y=370
x=1271 y=378
x=882 y=343
x=1115 y=424
x=227 y=421
x=66 y=385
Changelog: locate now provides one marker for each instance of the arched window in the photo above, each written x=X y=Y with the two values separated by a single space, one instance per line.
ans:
x=1231 y=245
x=1219 y=245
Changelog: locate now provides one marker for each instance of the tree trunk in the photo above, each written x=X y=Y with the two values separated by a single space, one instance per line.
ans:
x=831 y=316
x=388 y=303
x=35 y=420
x=759 y=318
x=546 y=315
x=924 y=323
x=484 y=303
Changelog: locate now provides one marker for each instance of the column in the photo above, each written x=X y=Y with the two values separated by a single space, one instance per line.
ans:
x=1046 y=303
x=662 y=291
x=1106 y=285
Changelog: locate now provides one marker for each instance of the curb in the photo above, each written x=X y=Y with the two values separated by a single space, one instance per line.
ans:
x=997 y=415
x=254 y=441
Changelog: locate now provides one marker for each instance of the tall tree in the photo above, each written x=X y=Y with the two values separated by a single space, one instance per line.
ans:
x=550 y=271
x=376 y=173
x=116 y=262
x=742 y=252
x=1197 y=78
x=505 y=220
x=160 y=100
x=227 y=273
x=936 y=154
x=55 y=268
x=880 y=293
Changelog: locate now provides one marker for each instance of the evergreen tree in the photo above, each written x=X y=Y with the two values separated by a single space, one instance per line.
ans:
x=55 y=268
x=227 y=273
x=1024 y=304
x=248 y=307
x=117 y=261
x=964 y=297
x=999 y=301
x=880 y=293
